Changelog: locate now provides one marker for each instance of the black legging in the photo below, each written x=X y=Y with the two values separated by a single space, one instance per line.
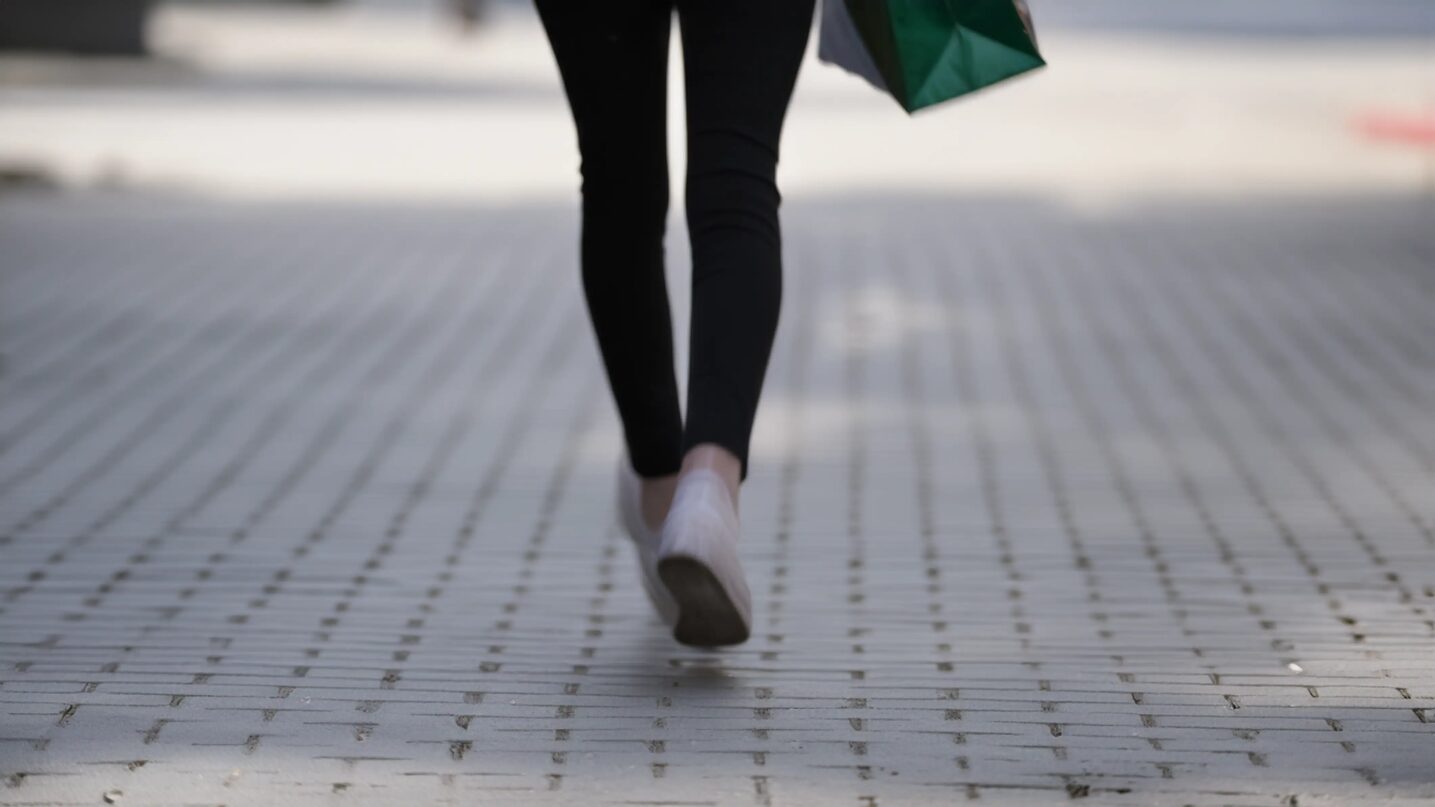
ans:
x=740 y=63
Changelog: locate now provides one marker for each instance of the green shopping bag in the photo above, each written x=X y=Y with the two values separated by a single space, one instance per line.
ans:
x=923 y=52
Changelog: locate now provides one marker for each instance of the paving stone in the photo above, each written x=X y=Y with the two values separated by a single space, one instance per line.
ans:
x=311 y=503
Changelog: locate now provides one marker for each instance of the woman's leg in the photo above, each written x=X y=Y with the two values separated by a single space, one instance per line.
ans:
x=613 y=59
x=740 y=59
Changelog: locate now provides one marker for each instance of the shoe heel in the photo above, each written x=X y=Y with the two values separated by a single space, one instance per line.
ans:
x=707 y=616
x=699 y=564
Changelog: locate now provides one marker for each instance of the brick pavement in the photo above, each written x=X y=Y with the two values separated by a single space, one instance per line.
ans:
x=311 y=504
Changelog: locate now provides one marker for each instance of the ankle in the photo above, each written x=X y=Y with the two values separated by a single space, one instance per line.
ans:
x=714 y=457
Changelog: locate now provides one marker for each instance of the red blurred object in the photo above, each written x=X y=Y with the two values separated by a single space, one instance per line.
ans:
x=1412 y=128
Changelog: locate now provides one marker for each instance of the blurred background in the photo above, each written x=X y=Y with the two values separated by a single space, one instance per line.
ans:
x=459 y=98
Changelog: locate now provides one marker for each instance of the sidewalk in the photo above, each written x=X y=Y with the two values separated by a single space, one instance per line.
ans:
x=1071 y=483
x=1041 y=507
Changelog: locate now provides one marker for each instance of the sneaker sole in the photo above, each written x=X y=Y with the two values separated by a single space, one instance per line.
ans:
x=707 y=616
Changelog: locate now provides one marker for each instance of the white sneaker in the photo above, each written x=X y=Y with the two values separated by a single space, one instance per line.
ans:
x=630 y=516
x=698 y=562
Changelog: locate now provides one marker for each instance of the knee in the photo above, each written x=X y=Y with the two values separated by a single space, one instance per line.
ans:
x=732 y=184
x=628 y=188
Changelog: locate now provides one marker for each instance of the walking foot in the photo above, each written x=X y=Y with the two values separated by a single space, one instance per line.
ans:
x=698 y=563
